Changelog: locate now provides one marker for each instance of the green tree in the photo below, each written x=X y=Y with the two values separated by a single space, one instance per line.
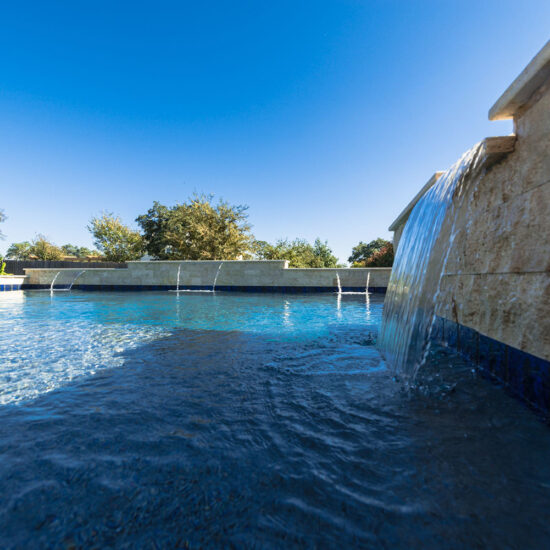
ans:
x=381 y=258
x=43 y=249
x=196 y=230
x=363 y=251
x=78 y=251
x=298 y=252
x=19 y=251
x=154 y=226
x=116 y=241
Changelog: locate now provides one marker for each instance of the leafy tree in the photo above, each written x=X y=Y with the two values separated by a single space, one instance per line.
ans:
x=323 y=254
x=298 y=252
x=363 y=251
x=45 y=250
x=196 y=230
x=381 y=258
x=116 y=241
x=154 y=226
x=19 y=251
x=78 y=251
x=40 y=248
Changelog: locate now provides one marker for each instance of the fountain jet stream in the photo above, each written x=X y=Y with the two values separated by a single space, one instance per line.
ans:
x=73 y=281
x=53 y=280
x=178 y=279
x=216 y=277
x=213 y=289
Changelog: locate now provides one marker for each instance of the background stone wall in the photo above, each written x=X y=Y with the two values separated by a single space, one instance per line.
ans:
x=497 y=277
x=245 y=275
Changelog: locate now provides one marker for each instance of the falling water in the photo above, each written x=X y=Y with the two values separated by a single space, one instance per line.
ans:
x=367 y=287
x=77 y=276
x=178 y=279
x=339 y=284
x=196 y=290
x=53 y=280
x=414 y=284
x=216 y=277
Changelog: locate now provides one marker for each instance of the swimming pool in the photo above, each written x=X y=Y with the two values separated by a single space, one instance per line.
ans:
x=252 y=420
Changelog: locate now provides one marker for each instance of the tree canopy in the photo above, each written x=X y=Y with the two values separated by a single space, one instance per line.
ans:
x=381 y=258
x=298 y=252
x=19 y=251
x=116 y=241
x=40 y=248
x=377 y=253
x=78 y=251
x=364 y=251
x=196 y=230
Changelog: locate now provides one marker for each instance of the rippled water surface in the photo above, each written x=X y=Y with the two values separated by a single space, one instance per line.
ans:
x=158 y=420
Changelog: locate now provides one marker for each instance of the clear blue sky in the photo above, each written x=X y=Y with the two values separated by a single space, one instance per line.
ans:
x=324 y=117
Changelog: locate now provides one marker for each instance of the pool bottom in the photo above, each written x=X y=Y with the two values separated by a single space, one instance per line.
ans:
x=221 y=431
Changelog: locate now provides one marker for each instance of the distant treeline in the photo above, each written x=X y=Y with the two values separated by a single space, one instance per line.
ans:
x=197 y=229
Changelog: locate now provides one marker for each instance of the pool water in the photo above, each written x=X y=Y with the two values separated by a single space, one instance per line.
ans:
x=251 y=421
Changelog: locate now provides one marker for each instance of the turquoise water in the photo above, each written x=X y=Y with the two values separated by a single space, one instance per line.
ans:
x=251 y=420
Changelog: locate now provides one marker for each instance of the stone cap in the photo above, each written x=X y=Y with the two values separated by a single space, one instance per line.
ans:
x=493 y=149
x=524 y=86
x=404 y=216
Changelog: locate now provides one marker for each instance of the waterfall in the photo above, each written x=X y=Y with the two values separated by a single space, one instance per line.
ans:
x=216 y=277
x=409 y=306
x=367 y=287
x=339 y=284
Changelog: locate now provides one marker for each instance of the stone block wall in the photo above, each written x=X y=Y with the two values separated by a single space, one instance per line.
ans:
x=493 y=298
x=199 y=275
x=497 y=277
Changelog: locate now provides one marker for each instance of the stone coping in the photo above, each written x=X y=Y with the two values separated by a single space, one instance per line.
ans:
x=522 y=89
x=493 y=150
x=405 y=213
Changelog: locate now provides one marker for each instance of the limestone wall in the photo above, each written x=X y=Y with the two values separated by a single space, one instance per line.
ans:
x=232 y=275
x=497 y=278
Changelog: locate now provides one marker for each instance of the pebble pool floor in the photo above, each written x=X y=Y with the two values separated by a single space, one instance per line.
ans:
x=227 y=420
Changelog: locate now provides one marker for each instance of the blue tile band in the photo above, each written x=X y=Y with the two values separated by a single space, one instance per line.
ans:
x=524 y=375
x=7 y=288
x=279 y=289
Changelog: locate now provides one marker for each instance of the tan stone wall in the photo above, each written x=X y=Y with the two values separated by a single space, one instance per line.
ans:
x=497 y=278
x=202 y=273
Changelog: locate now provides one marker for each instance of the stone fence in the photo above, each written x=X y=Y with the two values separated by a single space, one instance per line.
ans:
x=251 y=276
